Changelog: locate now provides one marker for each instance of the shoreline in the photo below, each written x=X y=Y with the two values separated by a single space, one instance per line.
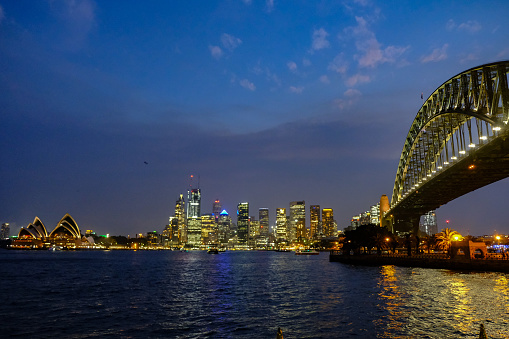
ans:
x=459 y=263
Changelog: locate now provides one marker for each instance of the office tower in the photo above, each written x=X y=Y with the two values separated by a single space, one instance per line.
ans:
x=281 y=222
x=209 y=234
x=297 y=222
x=5 y=231
x=193 y=217
x=314 y=221
x=224 y=223
x=180 y=219
x=254 y=227
x=216 y=208
x=375 y=214
x=243 y=223
x=328 y=223
x=193 y=203
x=263 y=214
x=429 y=223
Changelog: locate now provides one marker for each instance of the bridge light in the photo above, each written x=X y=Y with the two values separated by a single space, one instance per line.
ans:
x=471 y=166
x=483 y=137
x=446 y=162
x=497 y=128
x=429 y=175
x=462 y=152
x=472 y=145
x=454 y=158
x=440 y=167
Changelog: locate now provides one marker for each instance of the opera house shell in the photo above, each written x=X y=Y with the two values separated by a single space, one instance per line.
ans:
x=66 y=234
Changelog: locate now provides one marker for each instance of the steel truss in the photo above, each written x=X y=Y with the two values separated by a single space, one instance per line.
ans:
x=465 y=113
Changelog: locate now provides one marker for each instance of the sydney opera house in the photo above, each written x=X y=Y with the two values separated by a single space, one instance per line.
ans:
x=66 y=234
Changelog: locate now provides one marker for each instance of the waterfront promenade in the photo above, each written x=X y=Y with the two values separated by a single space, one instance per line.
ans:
x=494 y=262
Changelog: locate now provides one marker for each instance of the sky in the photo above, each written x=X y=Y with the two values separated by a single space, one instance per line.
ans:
x=108 y=107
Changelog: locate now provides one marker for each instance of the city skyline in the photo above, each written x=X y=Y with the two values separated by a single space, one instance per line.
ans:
x=108 y=108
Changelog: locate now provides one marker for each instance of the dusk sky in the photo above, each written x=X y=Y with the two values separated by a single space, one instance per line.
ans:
x=108 y=107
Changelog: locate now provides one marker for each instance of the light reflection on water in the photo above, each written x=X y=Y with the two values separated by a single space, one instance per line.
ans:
x=241 y=295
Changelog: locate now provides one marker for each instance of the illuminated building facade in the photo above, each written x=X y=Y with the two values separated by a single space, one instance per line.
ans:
x=374 y=214
x=65 y=234
x=281 y=222
x=243 y=223
x=329 y=227
x=429 y=223
x=263 y=214
x=209 y=229
x=297 y=222
x=254 y=227
x=194 y=203
x=193 y=217
x=216 y=208
x=224 y=223
x=314 y=221
x=5 y=231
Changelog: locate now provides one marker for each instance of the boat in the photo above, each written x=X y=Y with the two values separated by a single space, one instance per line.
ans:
x=213 y=250
x=306 y=252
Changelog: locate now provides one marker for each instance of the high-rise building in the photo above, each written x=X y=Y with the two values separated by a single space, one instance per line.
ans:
x=180 y=219
x=243 y=223
x=429 y=223
x=314 y=221
x=5 y=231
x=224 y=223
x=216 y=209
x=209 y=229
x=375 y=214
x=281 y=222
x=254 y=227
x=194 y=203
x=194 y=217
x=328 y=222
x=263 y=214
x=297 y=222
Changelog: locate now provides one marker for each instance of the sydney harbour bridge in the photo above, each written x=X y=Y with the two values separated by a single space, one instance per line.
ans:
x=457 y=143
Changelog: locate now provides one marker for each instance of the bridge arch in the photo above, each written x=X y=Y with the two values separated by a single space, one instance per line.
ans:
x=458 y=142
x=463 y=113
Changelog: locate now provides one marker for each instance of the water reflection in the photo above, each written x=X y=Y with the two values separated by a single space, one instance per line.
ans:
x=390 y=300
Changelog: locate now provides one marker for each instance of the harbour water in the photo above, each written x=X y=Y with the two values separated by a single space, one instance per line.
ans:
x=165 y=294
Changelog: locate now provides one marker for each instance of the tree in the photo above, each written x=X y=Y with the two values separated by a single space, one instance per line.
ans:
x=445 y=239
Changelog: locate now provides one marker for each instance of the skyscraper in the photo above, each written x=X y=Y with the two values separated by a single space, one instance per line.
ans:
x=5 y=231
x=429 y=223
x=180 y=207
x=297 y=222
x=314 y=221
x=224 y=223
x=243 y=223
x=281 y=222
x=193 y=203
x=193 y=217
x=263 y=215
x=328 y=222
x=209 y=232
x=216 y=208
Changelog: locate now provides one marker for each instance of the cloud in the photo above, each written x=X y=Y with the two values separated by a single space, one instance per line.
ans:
x=306 y=62
x=357 y=79
x=216 y=51
x=269 y=75
x=438 y=54
x=372 y=53
x=325 y=79
x=270 y=5
x=247 y=84
x=297 y=90
x=230 y=42
x=470 y=26
x=351 y=97
x=338 y=65
x=319 y=39
x=292 y=66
